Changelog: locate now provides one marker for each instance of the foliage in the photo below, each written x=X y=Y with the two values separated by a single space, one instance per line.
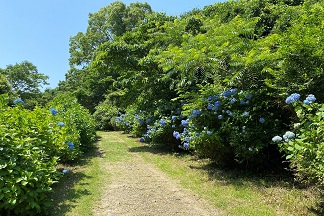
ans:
x=104 y=116
x=25 y=81
x=33 y=142
x=158 y=66
x=305 y=146
x=72 y=113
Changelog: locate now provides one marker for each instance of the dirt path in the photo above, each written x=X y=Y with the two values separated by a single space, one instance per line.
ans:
x=140 y=188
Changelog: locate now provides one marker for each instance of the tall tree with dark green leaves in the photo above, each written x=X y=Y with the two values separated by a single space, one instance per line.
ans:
x=25 y=80
x=104 y=26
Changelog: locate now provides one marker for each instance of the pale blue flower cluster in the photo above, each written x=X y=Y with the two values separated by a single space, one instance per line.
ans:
x=185 y=123
x=287 y=136
x=61 y=124
x=310 y=99
x=276 y=139
x=292 y=98
x=176 y=135
x=245 y=113
x=162 y=122
x=195 y=113
x=18 y=101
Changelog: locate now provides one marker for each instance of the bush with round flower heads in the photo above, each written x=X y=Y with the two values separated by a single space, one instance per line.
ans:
x=304 y=145
x=32 y=143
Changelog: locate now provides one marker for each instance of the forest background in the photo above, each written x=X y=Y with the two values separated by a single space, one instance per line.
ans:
x=239 y=82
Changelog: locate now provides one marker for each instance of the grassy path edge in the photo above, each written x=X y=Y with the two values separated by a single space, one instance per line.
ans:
x=81 y=189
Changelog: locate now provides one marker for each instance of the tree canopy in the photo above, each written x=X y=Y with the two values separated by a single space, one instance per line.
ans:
x=146 y=66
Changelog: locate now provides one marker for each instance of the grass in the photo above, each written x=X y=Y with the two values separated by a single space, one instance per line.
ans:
x=235 y=192
x=79 y=191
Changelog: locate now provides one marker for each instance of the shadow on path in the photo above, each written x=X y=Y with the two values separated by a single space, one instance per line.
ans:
x=64 y=192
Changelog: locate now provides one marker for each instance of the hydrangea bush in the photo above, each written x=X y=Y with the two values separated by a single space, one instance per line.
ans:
x=32 y=143
x=79 y=120
x=231 y=126
x=304 y=146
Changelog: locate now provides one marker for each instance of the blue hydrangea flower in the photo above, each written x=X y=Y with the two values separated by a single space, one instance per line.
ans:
x=148 y=120
x=217 y=103
x=215 y=108
x=229 y=113
x=215 y=97
x=54 y=111
x=18 y=100
x=210 y=98
x=233 y=91
x=276 y=139
x=248 y=96
x=307 y=102
x=184 y=123
x=176 y=135
x=186 y=145
x=210 y=106
x=71 y=145
x=209 y=132
x=310 y=99
x=195 y=113
x=162 y=122
x=61 y=124
x=245 y=113
x=233 y=100
x=174 y=118
x=292 y=98
x=288 y=135
x=187 y=139
x=197 y=134
x=65 y=171
x=220 y=117
x=261 y=120
x=141 y=139
x=141 y=121
x=227 y=93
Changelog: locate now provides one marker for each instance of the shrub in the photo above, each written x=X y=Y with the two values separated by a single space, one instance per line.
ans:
x=304 y=145
x=231 y=126
x=32 y=142
x=104 y=116
x=76 y=116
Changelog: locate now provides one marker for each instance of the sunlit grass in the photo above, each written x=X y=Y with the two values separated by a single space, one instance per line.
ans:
x=237 y=192
x=234 y=192
x=81 y=188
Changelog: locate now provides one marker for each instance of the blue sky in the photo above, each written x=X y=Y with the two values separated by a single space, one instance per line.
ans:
x=38 y=31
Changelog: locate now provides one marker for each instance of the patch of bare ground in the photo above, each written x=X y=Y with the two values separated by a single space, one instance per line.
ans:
x=139 y=188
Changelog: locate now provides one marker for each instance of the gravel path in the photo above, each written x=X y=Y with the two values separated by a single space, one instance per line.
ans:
x=140 y=188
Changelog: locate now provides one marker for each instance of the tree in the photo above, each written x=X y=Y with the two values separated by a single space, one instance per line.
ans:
x=25 y=80
x=106 y=24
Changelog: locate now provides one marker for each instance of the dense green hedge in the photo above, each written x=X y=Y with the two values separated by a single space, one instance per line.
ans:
x=32 y=143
